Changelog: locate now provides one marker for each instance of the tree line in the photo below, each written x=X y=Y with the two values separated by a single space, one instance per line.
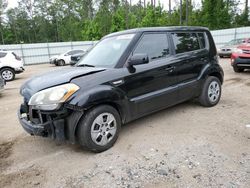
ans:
x=35 y=21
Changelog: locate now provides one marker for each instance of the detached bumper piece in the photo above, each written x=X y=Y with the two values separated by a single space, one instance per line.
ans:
x=46 y=124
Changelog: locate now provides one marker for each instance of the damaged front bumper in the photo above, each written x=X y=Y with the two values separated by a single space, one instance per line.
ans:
x=59 y=125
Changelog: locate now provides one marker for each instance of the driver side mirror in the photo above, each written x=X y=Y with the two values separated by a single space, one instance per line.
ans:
x=138 y=59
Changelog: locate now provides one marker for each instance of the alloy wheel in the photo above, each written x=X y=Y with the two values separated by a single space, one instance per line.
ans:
x=7 y=75
x=213 y=91
x=103 y=129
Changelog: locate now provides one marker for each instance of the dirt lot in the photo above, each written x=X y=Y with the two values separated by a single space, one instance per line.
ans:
x=184 y=146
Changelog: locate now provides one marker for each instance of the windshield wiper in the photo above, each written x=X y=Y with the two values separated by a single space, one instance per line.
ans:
x=85 y=65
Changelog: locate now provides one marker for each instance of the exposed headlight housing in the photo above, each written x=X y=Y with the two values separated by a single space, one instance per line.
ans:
x=52 y=98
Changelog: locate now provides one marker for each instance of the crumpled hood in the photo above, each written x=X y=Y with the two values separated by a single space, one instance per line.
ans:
x=54 y=78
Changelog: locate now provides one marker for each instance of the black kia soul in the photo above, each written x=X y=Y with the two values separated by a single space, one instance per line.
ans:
x=127 y=75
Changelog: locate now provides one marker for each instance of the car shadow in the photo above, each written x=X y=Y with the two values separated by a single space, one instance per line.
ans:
x=53 y=146
x=159 y=115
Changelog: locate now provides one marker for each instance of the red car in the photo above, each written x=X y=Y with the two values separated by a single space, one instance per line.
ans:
x=240 y=58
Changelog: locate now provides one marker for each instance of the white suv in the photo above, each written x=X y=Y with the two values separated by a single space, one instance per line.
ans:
x=65 y=58
x=10 y=65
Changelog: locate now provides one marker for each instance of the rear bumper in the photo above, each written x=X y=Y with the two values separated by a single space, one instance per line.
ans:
x=19 y=70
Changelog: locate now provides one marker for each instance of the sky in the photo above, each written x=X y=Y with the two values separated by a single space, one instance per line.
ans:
x=13 y=3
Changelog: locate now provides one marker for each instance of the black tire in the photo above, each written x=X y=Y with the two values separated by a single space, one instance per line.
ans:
x=61 y=62
x=237 y=69
x=221 y=56
x=204 y=97
x=11 y=72
x=85 y=124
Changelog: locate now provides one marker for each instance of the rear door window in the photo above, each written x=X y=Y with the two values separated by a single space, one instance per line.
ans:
x=2 y=54
x=185 y=42
x=155 y=45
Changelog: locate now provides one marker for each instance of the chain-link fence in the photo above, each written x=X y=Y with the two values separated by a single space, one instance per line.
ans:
x=223 y=36
x=41 y=52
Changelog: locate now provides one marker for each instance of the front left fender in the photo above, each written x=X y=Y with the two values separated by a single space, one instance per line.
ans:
x=103 y=94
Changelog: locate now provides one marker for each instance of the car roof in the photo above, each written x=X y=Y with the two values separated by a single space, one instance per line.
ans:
x=74 y=50
x=155 y=29
x=5 y=51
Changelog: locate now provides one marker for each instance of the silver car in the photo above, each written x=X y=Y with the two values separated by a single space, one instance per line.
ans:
x=227 y=49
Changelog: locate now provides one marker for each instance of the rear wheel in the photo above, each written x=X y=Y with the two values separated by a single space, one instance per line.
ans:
x=211 y=92
x=7 y=74
x=98 y=130
x=237 y=69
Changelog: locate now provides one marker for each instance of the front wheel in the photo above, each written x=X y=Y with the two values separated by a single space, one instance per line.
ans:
x=98 y=130
x=211 y=92
x=237 y=69
x=61 y=62
x=7 y=74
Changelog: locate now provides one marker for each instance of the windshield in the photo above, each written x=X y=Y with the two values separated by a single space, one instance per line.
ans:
x=107 y=52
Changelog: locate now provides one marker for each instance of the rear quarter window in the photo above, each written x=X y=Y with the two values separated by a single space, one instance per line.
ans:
x=185 y=42
x=16 y=56
x=2 y=54
x=202 y=39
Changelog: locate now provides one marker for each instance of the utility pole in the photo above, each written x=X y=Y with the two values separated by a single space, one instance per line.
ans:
x=2 y=36
x=180 y=12
x=169 y=8
x=246 y=7
x=129 y=6
x=186 y=12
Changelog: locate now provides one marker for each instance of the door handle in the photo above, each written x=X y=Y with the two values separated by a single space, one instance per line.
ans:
x=170 y=68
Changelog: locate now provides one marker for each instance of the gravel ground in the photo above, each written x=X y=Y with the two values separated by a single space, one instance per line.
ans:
x=183 y=146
